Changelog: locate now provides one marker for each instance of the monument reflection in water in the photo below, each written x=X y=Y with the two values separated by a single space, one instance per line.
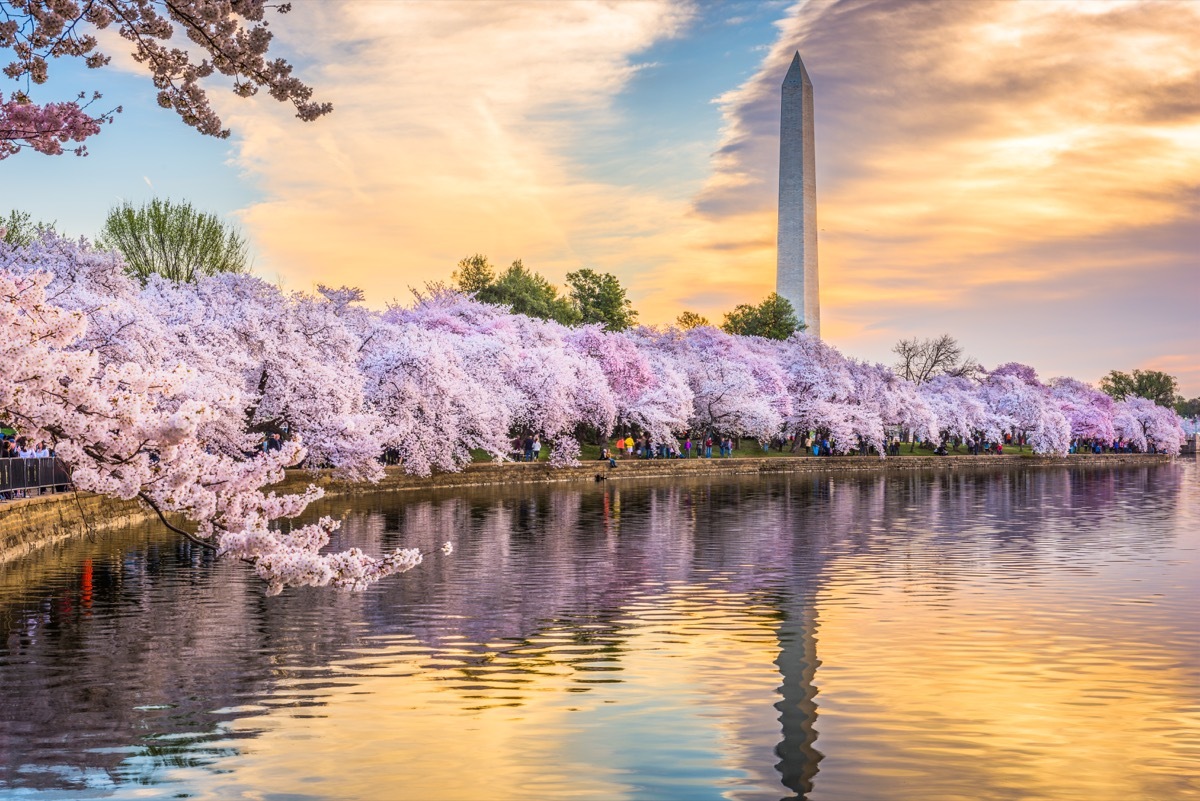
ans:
x=1018 y=634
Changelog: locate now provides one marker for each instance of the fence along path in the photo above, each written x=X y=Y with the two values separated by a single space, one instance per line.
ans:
x=25 y=477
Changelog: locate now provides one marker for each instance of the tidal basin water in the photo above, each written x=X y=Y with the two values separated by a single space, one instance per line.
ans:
x=1027 y=634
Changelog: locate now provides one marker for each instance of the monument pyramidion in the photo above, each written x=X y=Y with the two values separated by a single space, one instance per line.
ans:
x=796 y=265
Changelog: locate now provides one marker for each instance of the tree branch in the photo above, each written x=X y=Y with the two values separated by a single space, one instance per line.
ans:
x=187 y=535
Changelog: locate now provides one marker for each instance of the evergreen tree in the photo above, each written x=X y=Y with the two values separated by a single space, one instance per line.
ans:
x=518 y=287
x=774 y=318
x=474 y=274
x=600 y=298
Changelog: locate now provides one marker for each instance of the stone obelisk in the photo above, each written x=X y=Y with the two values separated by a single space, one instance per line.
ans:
x=796 y=265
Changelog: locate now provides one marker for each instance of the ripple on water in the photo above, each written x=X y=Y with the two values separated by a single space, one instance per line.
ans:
x=1014 y=635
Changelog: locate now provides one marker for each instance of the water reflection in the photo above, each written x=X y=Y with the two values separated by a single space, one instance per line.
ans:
x=1025 y=633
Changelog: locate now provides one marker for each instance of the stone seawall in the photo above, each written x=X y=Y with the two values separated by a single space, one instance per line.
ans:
x=33 y=522
x=543 y=473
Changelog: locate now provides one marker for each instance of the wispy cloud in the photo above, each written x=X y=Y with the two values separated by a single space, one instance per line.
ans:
x=458 y=127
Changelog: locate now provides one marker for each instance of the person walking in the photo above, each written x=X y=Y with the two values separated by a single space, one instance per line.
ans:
x=537 y=447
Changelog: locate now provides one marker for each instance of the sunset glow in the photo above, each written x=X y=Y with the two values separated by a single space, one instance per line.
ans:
x=1022 y=175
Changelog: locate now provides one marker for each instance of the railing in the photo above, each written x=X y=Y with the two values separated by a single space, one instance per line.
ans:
x=25 y=477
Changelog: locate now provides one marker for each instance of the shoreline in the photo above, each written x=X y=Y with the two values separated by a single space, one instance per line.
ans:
x=519 y=473
x=30 y=524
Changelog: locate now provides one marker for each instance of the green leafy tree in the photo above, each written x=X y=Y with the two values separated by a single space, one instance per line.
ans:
x=1187 y=408
x=173 y=240
x=689 y=320
x=1153 y=385
x=474 y=274
x=518 y=287
x=600 y=298
x=774 y=318
x=530 y=294
x=19 y=228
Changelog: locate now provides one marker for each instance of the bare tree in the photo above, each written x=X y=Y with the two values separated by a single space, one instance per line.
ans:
x=922 y=359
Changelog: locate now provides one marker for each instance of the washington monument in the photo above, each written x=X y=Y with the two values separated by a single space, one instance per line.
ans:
x=796 y=265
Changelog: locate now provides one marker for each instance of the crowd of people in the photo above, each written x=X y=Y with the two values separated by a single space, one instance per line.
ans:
x=643 y=447
x=14 y=447
x=16 y=478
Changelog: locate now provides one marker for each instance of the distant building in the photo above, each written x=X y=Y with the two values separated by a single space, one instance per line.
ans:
x=796 y=266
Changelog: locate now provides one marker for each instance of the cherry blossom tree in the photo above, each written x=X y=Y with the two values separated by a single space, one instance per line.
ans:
x=1088 y=410
x=821 y=389
x=650 y=394
x=544 y=386
x=1018 y=402
x=1146 y=425
x=133 y=431
x=736 y=388
x=956 y=403
x=226 y=37
x=47 y=127
x=432 y=410
x=894 y=399
x=289 y=355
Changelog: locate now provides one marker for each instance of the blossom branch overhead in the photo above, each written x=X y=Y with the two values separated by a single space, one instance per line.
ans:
x=232 y=36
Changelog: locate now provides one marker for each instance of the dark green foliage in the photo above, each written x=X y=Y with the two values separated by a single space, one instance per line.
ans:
x=518 y=287
x=600 y=298
x=474 y=274
x=688 y=320
x=173 y=240
x=1153 y=385
x=1187 y=408
x=774 y=318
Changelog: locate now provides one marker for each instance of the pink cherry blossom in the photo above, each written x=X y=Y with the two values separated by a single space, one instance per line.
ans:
x=163 y=393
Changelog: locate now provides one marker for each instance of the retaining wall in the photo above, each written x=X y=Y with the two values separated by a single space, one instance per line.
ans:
x=33 y=522
x=541 y=473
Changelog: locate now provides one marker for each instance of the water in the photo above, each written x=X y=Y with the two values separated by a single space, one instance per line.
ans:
x=1010 y=635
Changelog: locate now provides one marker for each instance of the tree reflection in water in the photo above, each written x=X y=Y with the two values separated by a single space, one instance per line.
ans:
x=127 y=661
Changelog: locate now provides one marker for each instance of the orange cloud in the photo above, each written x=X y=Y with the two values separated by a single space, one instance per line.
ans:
x=454 y=132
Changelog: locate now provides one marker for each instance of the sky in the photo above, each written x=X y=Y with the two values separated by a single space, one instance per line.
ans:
x=1023 y=175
